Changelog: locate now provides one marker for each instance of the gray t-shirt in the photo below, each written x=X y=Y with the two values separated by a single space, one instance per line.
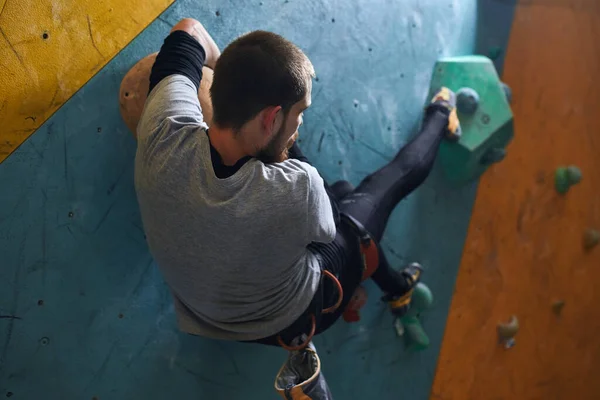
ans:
x=233 y=251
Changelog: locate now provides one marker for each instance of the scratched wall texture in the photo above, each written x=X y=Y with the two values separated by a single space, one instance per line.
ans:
x=85 y=313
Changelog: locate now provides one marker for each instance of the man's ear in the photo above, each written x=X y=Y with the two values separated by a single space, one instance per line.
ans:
x=272 y=119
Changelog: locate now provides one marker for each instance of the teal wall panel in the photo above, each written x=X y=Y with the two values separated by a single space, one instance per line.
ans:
x=85 y=313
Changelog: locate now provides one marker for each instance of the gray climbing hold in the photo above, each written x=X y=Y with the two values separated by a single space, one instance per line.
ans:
x=574 y=174
x=507 y=92
x=467 y=100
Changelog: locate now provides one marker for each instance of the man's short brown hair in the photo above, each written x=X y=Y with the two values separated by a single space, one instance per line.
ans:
x=258 y=70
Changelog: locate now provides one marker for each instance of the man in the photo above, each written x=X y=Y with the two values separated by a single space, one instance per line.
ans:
x=242 y=227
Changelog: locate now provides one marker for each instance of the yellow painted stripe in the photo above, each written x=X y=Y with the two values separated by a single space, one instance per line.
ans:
x=49 y=49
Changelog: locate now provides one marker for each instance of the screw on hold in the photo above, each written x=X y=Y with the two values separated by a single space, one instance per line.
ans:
x=565 y=177
x=44 y=341
x=399 y=327
x=557 y=306
x=493 y=155
x=467 y=100
x=509 y=343
x=591 y=237
x=508 y=330
x=485 y=119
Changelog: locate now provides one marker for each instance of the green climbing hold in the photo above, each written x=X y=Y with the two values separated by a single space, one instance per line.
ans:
x=486 y=119
x=416 y=338
x=591 y=238
x=409 y=325
x=422 y=299
x=565 y=177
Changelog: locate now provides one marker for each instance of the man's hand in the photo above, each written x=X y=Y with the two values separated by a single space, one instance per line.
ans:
x=197 y=31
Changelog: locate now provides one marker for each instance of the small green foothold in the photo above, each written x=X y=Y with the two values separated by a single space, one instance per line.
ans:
x=416 y=338
x=561 y=180
x=422 y=298
x=557 y=306
x=591 y=238
x=565 y=177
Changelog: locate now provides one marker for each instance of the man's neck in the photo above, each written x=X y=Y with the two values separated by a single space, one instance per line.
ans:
x=227 y=145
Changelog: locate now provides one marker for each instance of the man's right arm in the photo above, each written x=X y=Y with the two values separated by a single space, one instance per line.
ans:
x=321 y=224
x=184 y=52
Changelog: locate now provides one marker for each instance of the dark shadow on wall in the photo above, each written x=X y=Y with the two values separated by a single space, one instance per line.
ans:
x=494 y=21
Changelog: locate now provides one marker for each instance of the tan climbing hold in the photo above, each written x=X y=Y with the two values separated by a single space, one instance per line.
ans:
x=508 y=330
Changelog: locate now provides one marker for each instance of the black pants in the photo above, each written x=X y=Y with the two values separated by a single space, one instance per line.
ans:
x=371 y=204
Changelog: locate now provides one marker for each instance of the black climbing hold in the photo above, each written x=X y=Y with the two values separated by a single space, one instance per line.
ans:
x=493 y=156
x=495 y=52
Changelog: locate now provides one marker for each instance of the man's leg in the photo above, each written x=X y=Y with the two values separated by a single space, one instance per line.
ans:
x=375 y=198
x=372 y=202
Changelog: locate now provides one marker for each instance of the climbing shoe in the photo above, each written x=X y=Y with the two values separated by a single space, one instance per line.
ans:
x=447 y=98
x=400 y=304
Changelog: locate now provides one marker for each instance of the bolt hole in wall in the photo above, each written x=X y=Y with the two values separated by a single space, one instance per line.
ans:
x=45 y=35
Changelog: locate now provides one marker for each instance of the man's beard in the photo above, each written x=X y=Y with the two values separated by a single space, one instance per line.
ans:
x=271 y=153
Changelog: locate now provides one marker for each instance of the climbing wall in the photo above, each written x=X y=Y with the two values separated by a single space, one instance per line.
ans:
x=524 y=253
x=84 y=311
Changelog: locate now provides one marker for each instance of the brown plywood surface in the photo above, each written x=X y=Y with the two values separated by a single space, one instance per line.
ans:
x=524 y=247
